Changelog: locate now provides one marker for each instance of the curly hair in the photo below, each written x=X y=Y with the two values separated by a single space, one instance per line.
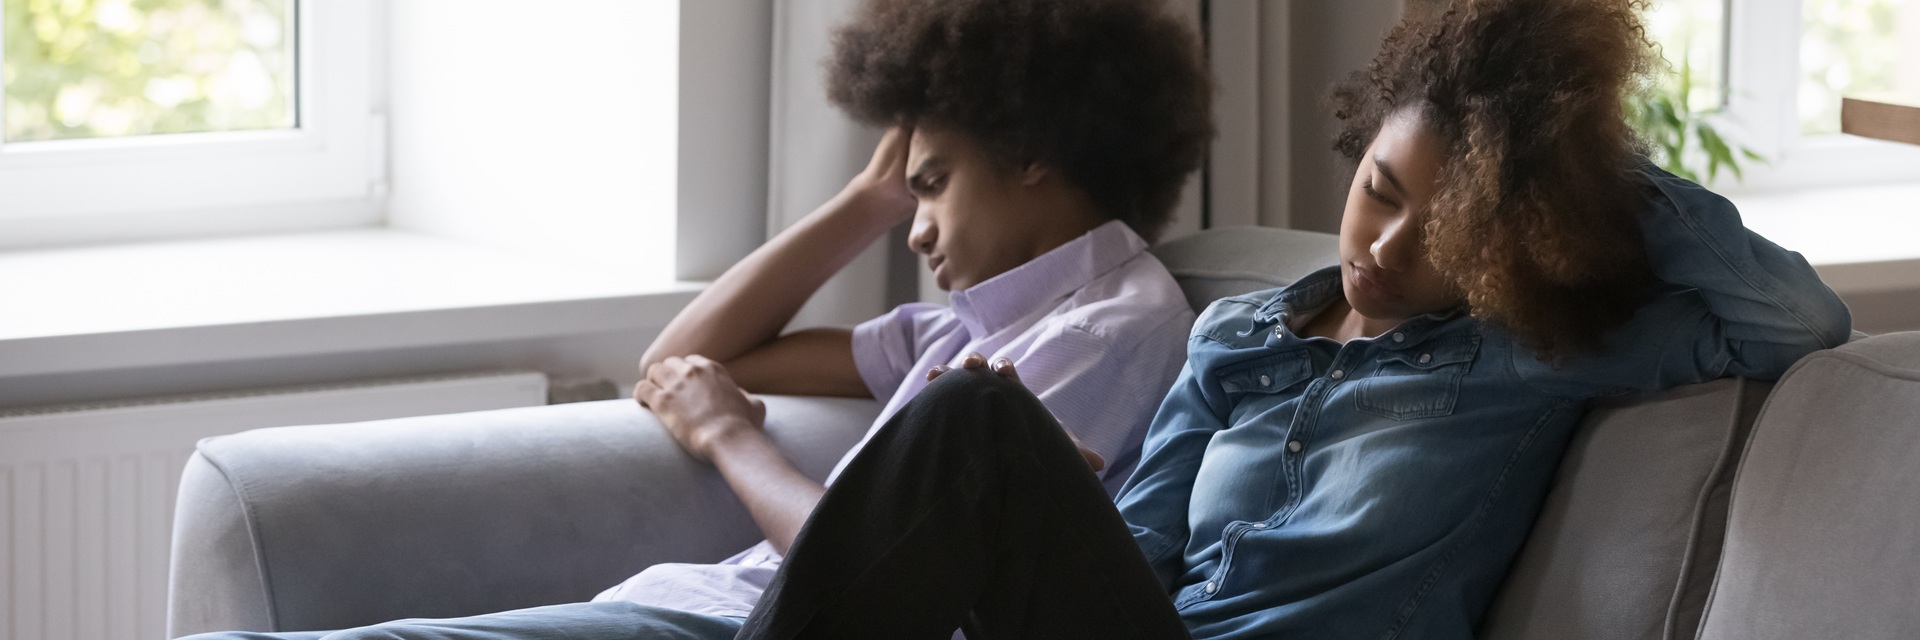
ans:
x=1113 y=94
x=1536 y=215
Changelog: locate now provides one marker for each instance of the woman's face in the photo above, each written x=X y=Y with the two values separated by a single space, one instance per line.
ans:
x=1383 y=255
x=975 y=220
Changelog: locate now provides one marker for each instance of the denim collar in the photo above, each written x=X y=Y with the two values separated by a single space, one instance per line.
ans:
x=1004 y=299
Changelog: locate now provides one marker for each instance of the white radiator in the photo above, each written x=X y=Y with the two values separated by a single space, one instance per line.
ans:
x=86 y=492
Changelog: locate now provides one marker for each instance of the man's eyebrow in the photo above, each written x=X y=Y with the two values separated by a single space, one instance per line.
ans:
x=1381 y=164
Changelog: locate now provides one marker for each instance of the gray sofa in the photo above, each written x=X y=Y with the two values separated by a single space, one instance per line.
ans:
x=1729 y=510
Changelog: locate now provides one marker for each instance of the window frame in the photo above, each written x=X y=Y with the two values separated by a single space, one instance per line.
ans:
x=323 y=172
x=1762 y=96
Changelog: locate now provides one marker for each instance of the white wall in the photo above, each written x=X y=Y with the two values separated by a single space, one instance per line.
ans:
x=551 y=132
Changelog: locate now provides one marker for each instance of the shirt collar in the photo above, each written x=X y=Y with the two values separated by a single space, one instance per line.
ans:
x=1003 y=299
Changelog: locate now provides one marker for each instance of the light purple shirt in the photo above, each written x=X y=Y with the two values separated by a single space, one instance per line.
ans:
x=1096 y=327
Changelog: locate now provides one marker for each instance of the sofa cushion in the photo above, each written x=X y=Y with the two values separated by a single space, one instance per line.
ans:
x=1625 y=545
x=1824 y=535
x=336 y=526
x=1215 y=264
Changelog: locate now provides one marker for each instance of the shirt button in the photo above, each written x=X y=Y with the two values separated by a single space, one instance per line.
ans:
x=1294 y=446
x=1265 y=380
x=1338 y=374
x=1211 y=587
x=1426 y=358
x=1259 y=525
x=1399 y=337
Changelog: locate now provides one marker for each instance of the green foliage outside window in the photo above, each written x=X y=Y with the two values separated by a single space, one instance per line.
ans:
x=1686 y=142
x=105 y=68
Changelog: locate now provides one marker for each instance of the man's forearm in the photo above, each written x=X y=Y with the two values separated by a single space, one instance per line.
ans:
x=778 y=495
x=749 y=304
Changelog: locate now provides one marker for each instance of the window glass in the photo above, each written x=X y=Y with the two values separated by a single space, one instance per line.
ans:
x=1692 y=36
x=110 y=68
x=1853 y=48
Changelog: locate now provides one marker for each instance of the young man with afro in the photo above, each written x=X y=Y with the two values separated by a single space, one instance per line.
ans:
x=1035 y=148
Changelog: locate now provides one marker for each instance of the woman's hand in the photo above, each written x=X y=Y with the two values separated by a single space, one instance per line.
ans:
x=699 y=404
x=1004 y=367
x=881 y=189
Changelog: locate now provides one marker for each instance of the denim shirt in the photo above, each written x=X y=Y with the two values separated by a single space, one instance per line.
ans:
x=1301 y=488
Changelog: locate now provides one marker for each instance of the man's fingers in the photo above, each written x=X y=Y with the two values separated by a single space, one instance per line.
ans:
x=1004 y=367
x=936 y=371
x=644 y=392
x=973 y=361
x=1094 y=461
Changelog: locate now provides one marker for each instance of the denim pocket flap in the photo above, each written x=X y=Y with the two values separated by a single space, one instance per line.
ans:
x=1271 y=374
x=1436 y=355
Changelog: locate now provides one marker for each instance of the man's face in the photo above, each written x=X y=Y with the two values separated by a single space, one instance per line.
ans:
x=976 y=220
x=1383 y=254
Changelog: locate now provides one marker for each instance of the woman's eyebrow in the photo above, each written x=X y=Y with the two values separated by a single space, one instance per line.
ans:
x=1381 y=164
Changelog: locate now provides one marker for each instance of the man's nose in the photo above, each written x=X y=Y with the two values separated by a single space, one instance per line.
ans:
x=921 y=236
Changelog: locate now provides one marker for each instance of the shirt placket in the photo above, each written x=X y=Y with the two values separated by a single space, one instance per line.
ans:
x=1299 y=440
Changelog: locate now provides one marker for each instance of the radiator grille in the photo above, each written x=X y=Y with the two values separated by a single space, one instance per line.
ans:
x=87 y=491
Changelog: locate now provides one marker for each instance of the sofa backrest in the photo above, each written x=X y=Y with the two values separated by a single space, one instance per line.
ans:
x=1215 y=264
x=1627 y=540
x=1624 y=547
x=1824 y=531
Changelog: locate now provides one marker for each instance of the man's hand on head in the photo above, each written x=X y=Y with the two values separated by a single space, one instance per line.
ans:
x=699 y=403
x=1004 y=368
x=882 y=187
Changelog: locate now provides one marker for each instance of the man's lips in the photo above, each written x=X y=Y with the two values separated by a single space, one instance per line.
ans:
x=934 y=262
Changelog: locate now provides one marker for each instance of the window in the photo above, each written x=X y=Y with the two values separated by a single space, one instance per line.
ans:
x=1853 y=48
x=1783 y=100
x=118 y=69
x=135 y=118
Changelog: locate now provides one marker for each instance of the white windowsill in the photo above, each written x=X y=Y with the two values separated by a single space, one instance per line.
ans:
x=161 y=304
x=1862 y=238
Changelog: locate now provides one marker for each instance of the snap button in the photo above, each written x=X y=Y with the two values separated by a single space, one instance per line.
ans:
x=1399 y=337
x=1426 y=358
x=1265 y=380
x=1338 y=374
x=1294 y=446
x=1211 y=587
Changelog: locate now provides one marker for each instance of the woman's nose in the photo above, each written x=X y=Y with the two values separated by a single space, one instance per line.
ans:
x=1397 y=247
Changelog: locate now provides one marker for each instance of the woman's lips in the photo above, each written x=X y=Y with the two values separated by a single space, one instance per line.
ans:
x=1366 y=282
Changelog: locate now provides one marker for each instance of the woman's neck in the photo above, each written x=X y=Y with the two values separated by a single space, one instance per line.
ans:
x=1340 y=323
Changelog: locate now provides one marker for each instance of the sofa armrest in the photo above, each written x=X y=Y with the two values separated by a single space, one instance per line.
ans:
x=328 y=527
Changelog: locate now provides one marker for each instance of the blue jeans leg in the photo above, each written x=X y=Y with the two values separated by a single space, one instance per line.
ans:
x=583 y=621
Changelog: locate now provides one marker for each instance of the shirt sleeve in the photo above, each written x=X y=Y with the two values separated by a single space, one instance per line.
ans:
x=886 y=348
x=1103 y=388
x=1730 y=302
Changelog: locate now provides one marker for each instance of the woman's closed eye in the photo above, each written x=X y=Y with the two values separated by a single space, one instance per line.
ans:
x=1376 y=195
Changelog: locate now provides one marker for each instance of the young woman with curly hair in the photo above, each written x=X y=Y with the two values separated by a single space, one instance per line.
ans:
x=1359 y=454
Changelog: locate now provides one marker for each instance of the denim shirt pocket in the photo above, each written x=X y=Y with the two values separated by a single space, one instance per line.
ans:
x=1271 y=374
x=1418 y=382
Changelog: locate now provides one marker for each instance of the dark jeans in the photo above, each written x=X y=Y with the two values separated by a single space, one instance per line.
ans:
x=972 y=509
